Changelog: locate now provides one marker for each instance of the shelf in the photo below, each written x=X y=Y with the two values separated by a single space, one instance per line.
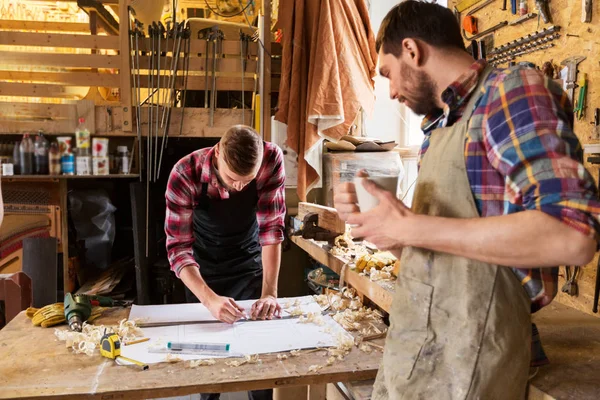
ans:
x=377 y=291
x=67 y=177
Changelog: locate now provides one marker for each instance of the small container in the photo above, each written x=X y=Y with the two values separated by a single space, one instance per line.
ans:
x=82 y=135
x=64 y=144
x=84 y=165
x=122 y=160
x=8 y=169
x=54 y=159
x=100 y=147
x=68 y=163
x=101 y=166
x=523 y=7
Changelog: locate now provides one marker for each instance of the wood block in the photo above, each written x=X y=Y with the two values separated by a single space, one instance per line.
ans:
x=328 y=216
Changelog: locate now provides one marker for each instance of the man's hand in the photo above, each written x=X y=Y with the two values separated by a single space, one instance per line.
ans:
x=389 y=226
x=265 y=308
x=225 y=309
x=345 y=200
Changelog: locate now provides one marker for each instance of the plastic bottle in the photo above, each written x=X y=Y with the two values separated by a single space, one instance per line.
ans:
x=68 y=163
x=41 y=155
x=17 y=158
x=26 y=155
x=122 y=160
x=82 y=138
x=54 y=159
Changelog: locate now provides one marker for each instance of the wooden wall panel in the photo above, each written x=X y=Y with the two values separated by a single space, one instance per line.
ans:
x=567 y=15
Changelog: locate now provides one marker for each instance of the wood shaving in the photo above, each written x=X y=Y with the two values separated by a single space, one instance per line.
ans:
x=351 y=319
x=170 y=358
x=253 y=359
x=330 y=360
x=315 y=368
x=88 y=340
x=290 y=304
x=365 y=347
x=312 y=318
x=202 y=363
x=322 y=300
x=296 y=311
x=295 y=353
x=282 y=356
x=377 y=275
x=223 y=370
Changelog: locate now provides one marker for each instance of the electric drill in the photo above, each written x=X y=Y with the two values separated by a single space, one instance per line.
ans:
x=78 y=308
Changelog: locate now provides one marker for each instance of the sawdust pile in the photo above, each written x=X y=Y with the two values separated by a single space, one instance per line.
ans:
x=88 y=340
x=253 y=359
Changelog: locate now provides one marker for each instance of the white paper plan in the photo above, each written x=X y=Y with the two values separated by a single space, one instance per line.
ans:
x=196 y=312
x=245 y=337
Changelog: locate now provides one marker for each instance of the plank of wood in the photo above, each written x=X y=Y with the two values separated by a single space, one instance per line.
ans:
x=58 y=40
x=14 y=58
x=196 y=121
x=100 y=378
x=39 y=263
x=41 y=90
x=378 y=292
x=125 y=72
x=38 y=111
x=43 y=26
x=328 y=217
x=48 y=126
x=317 y=392
x=82 y=78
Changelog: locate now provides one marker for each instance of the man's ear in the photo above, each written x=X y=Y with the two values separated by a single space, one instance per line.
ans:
x=218 y=149
x=412 y=52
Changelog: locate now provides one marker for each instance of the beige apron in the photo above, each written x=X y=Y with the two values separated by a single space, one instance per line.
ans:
x=459 y=328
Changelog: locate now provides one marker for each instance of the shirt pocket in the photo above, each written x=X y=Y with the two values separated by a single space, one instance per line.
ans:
x=409 y=323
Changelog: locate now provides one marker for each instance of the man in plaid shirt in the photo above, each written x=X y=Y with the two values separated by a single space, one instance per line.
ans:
x=501 y=200
x=224 y=224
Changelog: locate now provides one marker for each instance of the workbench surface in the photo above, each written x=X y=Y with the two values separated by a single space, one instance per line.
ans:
x=379 y=292
x=34 y=364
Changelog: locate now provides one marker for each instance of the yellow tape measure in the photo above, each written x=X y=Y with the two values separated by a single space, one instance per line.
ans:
x=110 y=347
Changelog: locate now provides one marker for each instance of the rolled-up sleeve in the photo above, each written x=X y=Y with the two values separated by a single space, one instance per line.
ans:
x=271 y=197
x=179 y=219
x=530 y=140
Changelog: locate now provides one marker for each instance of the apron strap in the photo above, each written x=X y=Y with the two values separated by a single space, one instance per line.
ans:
x=476 y=95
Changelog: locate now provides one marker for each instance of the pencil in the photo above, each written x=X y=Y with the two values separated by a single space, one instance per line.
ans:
x=137 y=341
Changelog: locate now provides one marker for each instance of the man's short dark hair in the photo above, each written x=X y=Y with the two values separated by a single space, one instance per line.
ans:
x=242 y=149
x=431 y=23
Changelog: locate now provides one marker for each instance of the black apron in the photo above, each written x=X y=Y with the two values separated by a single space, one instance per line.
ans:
x=226 y=244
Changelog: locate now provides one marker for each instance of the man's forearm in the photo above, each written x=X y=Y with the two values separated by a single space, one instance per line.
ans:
x=190 y=275
x=528 y=239
x=271 y=259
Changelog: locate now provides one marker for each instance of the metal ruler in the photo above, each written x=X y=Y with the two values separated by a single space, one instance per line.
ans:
x=463 y=5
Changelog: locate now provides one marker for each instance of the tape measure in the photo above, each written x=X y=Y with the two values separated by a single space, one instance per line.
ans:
x=110 y=347
x=463 y=5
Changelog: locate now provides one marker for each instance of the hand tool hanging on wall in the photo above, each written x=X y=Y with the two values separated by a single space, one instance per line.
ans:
x=522 y=19
x=183 y=33
x=513 y=7
x=244 y=39
x=217 y=49
x=469 y=23
x=579 y=109
x=570 y=287
x=543 y=10
x=527 y=48
x=570 y=83
x=205 y=34
x=160 y=32
x=465 y=4
x=134 y=35
x=586 y=11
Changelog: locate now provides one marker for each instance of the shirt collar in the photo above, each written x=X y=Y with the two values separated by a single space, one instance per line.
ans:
x=455 y=96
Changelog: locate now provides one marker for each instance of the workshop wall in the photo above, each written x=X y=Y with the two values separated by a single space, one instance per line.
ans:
x=567 y=15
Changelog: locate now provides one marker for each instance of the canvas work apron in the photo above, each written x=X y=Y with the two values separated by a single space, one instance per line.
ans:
x=459 y=328
x=226 y=244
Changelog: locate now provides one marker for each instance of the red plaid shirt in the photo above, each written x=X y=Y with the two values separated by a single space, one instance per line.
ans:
x=183 y=192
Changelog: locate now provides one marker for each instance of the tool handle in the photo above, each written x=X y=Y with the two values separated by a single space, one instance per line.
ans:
x=513 y=7
x=504 y=5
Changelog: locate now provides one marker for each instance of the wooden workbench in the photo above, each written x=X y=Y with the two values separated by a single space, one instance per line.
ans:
x=379 y=292
x=34 y=365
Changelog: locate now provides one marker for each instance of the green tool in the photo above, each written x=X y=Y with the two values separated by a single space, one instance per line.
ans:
x=78 y=308
x=579 y=107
